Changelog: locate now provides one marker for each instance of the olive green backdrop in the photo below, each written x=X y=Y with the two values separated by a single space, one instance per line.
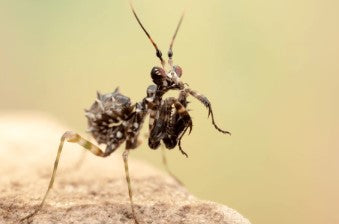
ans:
x=270 y=69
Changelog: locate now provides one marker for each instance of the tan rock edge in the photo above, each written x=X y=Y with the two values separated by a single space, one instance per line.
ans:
x=94 y=193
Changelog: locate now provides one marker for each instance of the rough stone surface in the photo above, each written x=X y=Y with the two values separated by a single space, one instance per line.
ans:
x=94 y=193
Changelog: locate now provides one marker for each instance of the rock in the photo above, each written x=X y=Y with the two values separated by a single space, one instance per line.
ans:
x=94 y=193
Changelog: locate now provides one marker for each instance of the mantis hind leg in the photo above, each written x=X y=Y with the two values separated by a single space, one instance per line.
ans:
x=68 y=136
x=129 y=185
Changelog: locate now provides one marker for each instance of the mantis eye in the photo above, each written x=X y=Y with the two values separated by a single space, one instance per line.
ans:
x=178 y=70
x=158 y=75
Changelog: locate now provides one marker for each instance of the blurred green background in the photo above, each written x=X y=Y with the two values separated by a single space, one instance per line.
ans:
x=270 y=69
